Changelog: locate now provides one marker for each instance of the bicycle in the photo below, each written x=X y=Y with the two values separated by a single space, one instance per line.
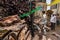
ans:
x=30 y=31
x=10 y=32
x=27 y=33
x=37 y=29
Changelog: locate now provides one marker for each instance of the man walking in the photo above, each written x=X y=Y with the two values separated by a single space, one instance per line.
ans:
x=53 y=21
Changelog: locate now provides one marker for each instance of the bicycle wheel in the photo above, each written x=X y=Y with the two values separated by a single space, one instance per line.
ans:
x=12 y=36
x=27 y=35
x=5 y=36
x=30 y=33
x=21 y=34
x=37 y=30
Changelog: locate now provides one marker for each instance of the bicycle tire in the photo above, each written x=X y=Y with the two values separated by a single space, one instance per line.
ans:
x=32 y=37
x=27 y=35
x=13 y=35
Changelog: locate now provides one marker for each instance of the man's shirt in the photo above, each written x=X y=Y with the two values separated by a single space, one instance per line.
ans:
x=53 y=19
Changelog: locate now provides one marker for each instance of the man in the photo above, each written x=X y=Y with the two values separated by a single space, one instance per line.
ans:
x=44 y=18
x=43 y=22
x=53 y=21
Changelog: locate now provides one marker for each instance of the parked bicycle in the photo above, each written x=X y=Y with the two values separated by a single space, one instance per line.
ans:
x=28 y=32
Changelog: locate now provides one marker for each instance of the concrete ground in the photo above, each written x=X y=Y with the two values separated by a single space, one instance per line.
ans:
x=54 y=35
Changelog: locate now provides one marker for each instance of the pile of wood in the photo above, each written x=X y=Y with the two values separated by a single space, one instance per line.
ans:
x=7 y=21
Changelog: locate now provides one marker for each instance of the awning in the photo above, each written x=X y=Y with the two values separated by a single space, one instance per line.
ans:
x=54 y=2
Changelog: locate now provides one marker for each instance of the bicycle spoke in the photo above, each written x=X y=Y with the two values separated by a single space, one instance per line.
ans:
x=26 y=31
x=27 y=35
x=20 y=32
x=6 y=34
x=13 y=36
